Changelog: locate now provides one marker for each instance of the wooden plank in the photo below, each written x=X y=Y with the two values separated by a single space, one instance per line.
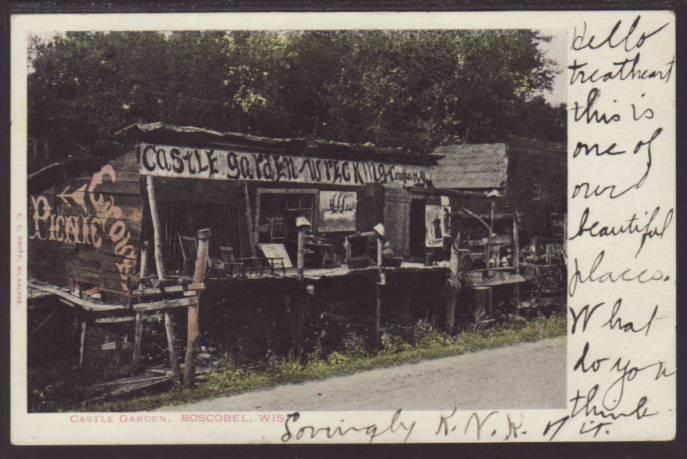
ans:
x=516 y=258
x=370 y=207
x=300 y=255
x=105 y=281
x=256 y=227
x=129 y=205
x=397 y=220
x=87 y=305
x=144 y=260
x=452 y=283
x=71 y=263
x=92 y=306
x=128 y=385
x=164 y=304
x=127 y=185
x=82 y=347
x=169 y=332
x=113 y=320
x=45 y=320
x=489 y=236
x=127 y=162
x=175 y=190
x=152 y=291
x=276 y=250
x=193 y=329
x=155 y=217
x=447 y=192
x=86 y=253
x=378 y=317
x=249 y=221
x=108 y=278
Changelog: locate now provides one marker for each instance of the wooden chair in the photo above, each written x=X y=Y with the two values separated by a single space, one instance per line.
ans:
x=276 y=264
x=232 y=267
x=189 y=252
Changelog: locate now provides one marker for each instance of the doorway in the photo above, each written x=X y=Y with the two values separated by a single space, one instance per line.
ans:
x=417 y=228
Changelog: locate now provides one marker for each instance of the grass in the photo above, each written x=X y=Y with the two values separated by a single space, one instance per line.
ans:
x=228 y=379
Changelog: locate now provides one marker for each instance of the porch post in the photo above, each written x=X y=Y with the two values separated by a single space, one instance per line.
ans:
x=160 y=267
x=193 y=328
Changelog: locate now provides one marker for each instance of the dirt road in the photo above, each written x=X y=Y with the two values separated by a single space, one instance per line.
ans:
x=530 y=375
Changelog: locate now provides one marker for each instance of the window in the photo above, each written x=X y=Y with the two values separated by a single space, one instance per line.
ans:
x=278 y=213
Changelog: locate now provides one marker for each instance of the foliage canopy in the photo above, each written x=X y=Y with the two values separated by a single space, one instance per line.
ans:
x=415 y=89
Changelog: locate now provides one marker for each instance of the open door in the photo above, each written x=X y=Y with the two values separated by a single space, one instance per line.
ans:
x=417 y=228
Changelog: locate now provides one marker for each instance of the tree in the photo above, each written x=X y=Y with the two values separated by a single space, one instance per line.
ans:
x=413 y=89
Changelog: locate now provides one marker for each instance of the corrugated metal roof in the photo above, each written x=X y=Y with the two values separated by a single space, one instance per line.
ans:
x=471 y=166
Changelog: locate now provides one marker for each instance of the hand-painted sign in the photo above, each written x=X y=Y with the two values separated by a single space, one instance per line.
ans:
x=337 y=211
x=446 y=212
x=434 y=224
x=277 y=251
x=100 y=219
x=202 y=163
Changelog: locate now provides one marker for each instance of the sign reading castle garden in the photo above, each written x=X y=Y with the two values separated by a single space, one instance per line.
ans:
x=213 y=164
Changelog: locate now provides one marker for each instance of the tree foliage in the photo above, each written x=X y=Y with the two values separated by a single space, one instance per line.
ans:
x=415 y=89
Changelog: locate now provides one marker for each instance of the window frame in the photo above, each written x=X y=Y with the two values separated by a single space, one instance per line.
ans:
x=315 y=192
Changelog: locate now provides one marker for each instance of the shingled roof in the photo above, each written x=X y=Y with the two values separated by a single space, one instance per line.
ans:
x=471 y=166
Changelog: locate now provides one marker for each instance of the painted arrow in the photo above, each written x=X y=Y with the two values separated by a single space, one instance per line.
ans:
x=77 y=196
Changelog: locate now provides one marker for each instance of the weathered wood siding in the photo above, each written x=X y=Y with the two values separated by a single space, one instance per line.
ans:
x=397 y=220
x=370 y=207
x=87 y=230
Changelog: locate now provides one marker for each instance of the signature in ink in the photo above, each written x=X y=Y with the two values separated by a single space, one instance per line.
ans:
x=371 y=431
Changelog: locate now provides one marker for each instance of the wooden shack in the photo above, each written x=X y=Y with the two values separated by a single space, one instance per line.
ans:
x=510 y=203
x=530 y=174
x=87 y=230
x=118 y=240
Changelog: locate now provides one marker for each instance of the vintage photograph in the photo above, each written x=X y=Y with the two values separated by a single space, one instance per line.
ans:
x=296 y=220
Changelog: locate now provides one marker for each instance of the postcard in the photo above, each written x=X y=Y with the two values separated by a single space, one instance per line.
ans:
x=378 y=227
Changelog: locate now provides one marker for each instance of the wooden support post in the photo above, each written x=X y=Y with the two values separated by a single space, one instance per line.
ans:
x=160 y=268
x=193 y=326
x=380 y=248
x=138 y=324
x=451 y=295
x=249 y=220
x=377 y=332
x=144 y=260
x=452 y=285
x=295 y=311
x=169 y=331
x=302 y=224
x=82 y=347
x=300 y=256
x=381 y=280
x=155 y=218
x=138 y=339
x=491 y=230
x=291 y=314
